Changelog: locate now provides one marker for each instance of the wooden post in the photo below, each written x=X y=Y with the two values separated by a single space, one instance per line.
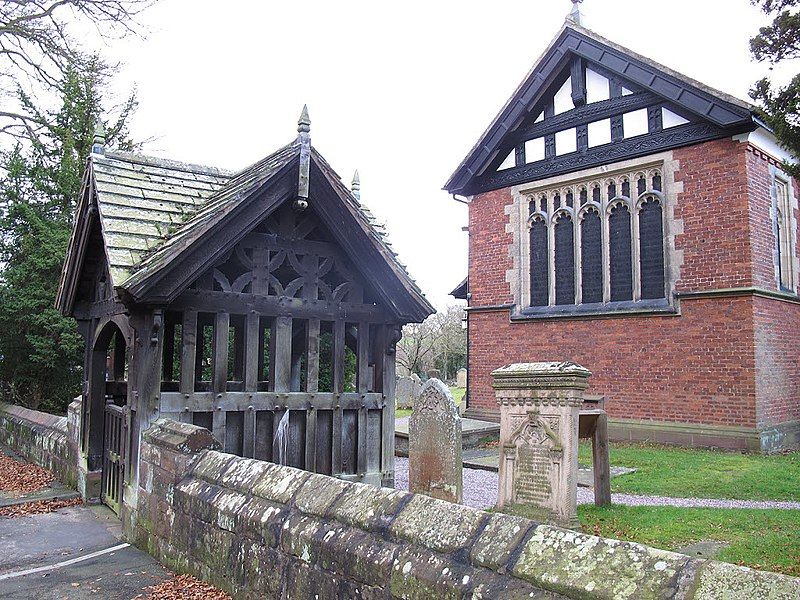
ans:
x=188 y=351
x=251 y=345
x=249 y=434
x=338 y=356
x=221 y=327
x=311 y=440
x=362 y=363
x=312 y=356
x=600 y=460
x=282 y=354
x=387 y=435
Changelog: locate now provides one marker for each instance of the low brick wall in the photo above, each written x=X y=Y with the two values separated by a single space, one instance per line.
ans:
x=44 y=439
x=257 y=529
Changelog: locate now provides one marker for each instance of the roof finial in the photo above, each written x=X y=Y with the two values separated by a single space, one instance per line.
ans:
x=574 y=15
x=304 y=123
x=99 y=141
x=304 y=139
x=356 y=186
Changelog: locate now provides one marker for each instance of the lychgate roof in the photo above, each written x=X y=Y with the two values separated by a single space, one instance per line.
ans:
x=158 y=216
x=702 y=113
x=142 y=199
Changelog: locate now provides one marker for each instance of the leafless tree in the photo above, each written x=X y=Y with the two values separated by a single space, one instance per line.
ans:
x=37 y=46
x=434 y=342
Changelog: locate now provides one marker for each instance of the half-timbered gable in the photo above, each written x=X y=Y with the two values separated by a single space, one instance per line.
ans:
x=264 y=305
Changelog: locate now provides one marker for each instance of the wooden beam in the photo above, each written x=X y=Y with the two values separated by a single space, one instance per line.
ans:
x=578 y=81
x=311 y=440
x=270 y=306
x=249 y=434
x=239 y=401
x=218 y=426
x=221 y=327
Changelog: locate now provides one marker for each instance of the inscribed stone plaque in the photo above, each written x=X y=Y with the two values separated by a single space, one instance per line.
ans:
x=434 y=444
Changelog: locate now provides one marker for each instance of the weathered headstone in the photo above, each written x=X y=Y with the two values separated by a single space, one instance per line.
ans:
x=461 y=378
x=539 y=412
x=434 y=374
x=404 y=392
x=434 y=444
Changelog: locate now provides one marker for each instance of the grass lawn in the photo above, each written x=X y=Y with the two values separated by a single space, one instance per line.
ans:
x=761 y=539
x=683 y=473
x=458 y=396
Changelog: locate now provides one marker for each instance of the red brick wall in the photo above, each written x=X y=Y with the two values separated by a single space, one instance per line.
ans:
x=701 y=366
x=714 y=210
x=777 y=338
x=488 y=249
x=698 y=367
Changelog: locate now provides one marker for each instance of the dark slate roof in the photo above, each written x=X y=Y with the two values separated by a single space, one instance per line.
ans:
x=460 y=291
x=716 y=107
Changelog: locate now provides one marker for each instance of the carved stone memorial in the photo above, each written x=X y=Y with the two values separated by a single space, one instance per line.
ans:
x=434 y=444
x=539 y=411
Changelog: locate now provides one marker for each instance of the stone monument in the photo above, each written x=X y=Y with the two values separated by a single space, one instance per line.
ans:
x=434 y=374
x=539 y=411
x=461 y=378
x=434 y=444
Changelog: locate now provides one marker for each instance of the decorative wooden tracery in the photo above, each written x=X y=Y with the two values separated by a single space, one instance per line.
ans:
x=284 y=324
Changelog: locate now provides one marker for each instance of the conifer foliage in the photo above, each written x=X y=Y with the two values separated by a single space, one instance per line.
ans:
x=777 y=42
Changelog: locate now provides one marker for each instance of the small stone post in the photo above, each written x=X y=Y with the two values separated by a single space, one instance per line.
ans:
x=539 y=406
x=434 y=444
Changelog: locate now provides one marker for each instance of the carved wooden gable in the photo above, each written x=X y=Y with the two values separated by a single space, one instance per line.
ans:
x=589 y=102
x=290 y=255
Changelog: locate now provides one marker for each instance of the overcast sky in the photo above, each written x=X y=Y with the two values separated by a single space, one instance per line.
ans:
x=399 y=91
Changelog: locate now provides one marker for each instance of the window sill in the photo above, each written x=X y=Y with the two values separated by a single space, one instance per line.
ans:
x=598 y=310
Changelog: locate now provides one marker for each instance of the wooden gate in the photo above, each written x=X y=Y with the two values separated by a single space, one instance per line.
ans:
x=114 y=436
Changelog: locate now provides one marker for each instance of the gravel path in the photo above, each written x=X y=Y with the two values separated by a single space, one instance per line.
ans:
x=480 y=491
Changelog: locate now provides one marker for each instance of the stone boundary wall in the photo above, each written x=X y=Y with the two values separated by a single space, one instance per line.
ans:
x=257 y=529
x=44 y=439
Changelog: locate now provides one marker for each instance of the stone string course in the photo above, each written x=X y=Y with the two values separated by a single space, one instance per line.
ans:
x=257 y=529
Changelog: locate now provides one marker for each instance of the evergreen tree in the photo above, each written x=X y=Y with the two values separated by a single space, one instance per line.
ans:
x=780 y=41
x=41 y=351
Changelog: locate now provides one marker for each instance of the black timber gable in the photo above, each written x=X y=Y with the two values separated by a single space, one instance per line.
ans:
x=635 y=84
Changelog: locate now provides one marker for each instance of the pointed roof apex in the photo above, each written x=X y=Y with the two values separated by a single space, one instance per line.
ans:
x=304 y=123
x=355 y=186
x=574 y=15
x=99 y=141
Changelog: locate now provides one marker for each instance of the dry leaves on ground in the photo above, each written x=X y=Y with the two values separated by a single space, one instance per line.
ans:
x=37 y=508
x=16 y=476
x=186 y=587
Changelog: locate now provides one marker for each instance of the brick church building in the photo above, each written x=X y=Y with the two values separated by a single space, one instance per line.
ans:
x=635 y=221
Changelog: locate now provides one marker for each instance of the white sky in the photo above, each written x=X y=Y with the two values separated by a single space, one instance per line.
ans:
x=400 y=91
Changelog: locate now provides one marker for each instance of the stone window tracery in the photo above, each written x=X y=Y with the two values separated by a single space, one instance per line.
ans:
x=598 y=241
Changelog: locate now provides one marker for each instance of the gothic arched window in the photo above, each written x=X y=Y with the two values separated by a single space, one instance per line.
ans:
x=564 y=240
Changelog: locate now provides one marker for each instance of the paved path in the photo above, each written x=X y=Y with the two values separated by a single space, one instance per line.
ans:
x=72 y=553
x=480 y=491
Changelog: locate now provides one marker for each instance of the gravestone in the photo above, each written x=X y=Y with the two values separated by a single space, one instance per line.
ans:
x=434 y=444
x=461 y=378
x=407 y=391
x=539 y=415
x=434 y=374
